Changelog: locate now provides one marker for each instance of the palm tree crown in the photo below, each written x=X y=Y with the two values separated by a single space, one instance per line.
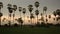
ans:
x=37 y=4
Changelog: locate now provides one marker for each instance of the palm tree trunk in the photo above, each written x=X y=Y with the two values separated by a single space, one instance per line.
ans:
x=37 y=18
x=24 y=17
x=10 y=19
x=13 y=16
x=20 y=14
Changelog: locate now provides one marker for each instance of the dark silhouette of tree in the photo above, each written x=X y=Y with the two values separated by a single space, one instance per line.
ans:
x=37 y=11
x=31 y=17
x=54 y=13
x=10 y=9
x=1 y=6
x=37 y=4
x=24 y=11
x=30 y=8
x=14 y=8
x=57 y=12
x=44 y=11
x=20 y=21
x=20 y=9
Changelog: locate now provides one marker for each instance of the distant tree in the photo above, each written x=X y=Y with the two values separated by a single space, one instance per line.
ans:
x=44 y=11
x=37 y=11
x=20 y=9
x=20 y=21
x=57 y=12
x=14 y=8
x=1 y=14
x=37 y=4
x=10 y=9
x=30 y=8
x=24 y=11
x=31 y=17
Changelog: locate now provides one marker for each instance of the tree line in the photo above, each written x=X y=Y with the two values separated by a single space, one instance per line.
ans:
x=12 y=10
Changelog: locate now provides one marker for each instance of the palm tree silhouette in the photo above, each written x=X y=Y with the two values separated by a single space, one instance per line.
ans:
x=44 y=11
x=37 y=11
x=1 y=6
x=14 y=8
x=20 y=9
x=37 y=4
x=31 y=17
x=10 y=12
x=20 y=21
x=58 y=13
x=24 y=11
x=30 y=8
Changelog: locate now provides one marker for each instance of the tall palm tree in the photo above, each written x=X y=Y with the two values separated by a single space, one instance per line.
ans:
x=31 y=17
x=44 y=11
x=37 y=11
x=1 y=6
x=10 y=9
x=14 y=8
x=20 y=9
x=24 y=11
x=30 y=8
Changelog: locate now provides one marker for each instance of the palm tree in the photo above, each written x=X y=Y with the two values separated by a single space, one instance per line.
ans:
x=24 y=11
x=58 y=13
x=1 y=6
x=10 y=12
x=20 y=9
x=31 y=17
x=44 y=11
x=14 y=8
x=37 y=13
x=30 y=8
x=37 y=4
x=20 y=21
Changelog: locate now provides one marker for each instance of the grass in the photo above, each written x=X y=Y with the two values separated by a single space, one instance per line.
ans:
x=29 y=30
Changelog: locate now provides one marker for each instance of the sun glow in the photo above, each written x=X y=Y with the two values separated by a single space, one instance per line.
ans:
x=28 y=21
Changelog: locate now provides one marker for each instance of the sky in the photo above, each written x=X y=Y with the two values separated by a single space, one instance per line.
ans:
x=52 y=5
